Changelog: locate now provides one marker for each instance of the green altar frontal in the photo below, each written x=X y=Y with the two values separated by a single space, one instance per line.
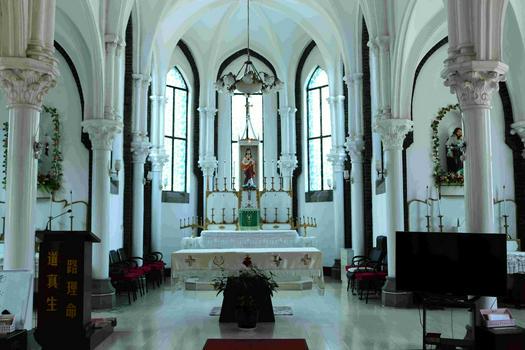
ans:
x=249 y=219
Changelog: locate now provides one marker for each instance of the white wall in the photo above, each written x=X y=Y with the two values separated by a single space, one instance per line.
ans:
x=65 y=98
x=429 y=96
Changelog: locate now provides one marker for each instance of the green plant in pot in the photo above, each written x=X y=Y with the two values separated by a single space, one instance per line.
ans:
x=247 y=295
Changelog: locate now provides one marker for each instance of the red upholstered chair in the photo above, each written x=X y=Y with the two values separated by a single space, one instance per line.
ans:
x=157 y=265
x=122 y=277
x=376 y=256
x=370 y=282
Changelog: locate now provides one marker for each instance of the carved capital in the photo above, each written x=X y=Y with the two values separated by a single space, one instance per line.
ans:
x=208 y=164
x=518 y=128
x=140 y=147
x=383 y=43
x=337 y=157
x=158 y=158
x=354 y=146
x=287 y=111
x=27 y=81
x=287 y=164
x=474 y=82
x=354 y=78
x=393 y=132
x=102 y=132
x=335 y=99
x=207 y=112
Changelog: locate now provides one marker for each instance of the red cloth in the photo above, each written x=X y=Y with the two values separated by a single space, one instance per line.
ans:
x=255 y=344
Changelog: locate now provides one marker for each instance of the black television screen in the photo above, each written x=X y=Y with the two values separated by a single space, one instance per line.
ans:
x=451 y=263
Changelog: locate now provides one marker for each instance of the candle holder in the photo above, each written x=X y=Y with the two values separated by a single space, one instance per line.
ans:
x=281 y=183
x=223 y=215
x=233 y=216
x=265 y=215
x=288 y=214
x=276 y=212
x=506 y=224
x=440 y=222
x=213 y=215
x=216 y=188
x=428 y=222
x=225 y=184
x=273 y=182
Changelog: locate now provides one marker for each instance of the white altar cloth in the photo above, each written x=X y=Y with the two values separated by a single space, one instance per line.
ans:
x=208 y=263
x=218 y=239
x=515 y=262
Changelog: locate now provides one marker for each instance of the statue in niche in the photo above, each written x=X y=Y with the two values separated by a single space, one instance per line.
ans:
x=248 y=167
x=455 y=148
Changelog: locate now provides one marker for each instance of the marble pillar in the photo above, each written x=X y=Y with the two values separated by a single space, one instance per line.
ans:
x=101 y=133
x=140 y=147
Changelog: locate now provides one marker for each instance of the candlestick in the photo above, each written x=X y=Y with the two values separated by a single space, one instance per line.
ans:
x=273 y=183
x=276 y=212
x=440 y=222
x=505 y=212
x=51 y=205
x=233 y=215
x=288 y=213
x=273 y=174
x=428 y=222
x=225 y=184
x=281 y=182
x=427 y=201
x=223 y=215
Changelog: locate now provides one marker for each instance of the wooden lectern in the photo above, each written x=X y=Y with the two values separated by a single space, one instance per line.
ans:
x=64 y=290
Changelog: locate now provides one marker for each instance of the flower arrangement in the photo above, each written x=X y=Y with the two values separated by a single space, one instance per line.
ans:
x=247 y=280
x=52 y=181
x=441 y=177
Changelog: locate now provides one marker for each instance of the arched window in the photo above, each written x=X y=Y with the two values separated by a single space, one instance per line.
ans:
x=239 y=103
x=319 y=131
x=176 y=133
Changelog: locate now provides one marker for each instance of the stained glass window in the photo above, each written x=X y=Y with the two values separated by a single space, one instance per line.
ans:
x=319 y=131
x=176 y=133
x=239 y=102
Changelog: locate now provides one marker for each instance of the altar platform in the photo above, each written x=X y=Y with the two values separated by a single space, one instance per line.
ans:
x=223 y=239
x=306 y=262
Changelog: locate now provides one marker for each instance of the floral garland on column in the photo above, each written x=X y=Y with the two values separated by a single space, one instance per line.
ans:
x=442 y=177
x=5 y=128
x=52 y=181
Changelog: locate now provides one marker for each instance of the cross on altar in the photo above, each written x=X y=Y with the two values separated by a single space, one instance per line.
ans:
x=189 y=260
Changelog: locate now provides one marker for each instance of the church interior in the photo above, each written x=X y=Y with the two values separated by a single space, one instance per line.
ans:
x=262 y=174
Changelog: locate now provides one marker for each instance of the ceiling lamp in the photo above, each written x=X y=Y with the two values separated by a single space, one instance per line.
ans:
x=248 y=80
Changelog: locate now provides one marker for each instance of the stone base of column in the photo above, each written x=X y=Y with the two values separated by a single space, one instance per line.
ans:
x=102 y=294
x=390 y=296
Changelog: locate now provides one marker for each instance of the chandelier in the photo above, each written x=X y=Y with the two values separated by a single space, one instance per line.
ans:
x=248 y=79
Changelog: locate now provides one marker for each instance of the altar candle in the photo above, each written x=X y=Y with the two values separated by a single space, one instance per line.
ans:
x=428 y=204
x=504 y=201
x=50 y=205
x=71 y=198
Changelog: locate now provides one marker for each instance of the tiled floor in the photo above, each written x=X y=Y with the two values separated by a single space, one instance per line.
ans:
x=173 y=319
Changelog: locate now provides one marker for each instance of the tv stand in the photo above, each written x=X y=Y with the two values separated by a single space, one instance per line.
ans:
x=430 y=302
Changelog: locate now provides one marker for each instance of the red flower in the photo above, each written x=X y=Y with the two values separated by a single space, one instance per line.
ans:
x=247 y=261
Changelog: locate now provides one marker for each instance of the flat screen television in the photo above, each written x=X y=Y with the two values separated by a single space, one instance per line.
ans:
x=451 y=263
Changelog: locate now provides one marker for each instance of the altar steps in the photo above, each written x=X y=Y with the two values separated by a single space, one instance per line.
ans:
x=203 y=285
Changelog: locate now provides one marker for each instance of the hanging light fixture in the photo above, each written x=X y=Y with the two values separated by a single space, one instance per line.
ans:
x=248 y=80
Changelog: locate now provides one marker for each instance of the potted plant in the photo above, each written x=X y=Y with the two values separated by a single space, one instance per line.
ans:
x=247 y=295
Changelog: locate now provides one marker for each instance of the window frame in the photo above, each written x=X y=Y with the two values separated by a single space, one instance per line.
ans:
x=172 y=136
x=321 y=136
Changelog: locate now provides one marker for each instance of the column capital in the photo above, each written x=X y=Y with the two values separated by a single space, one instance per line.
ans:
x=518 y=128
x=158 y=98
x=474 y=82
x=335 y=99
x=208 y=164
x=287 y=163
x=354 y=146
x=354 y=78
x=26 y=81
x=140 y=147
x=158 y=158
x=102 y=132
x=393 y=132
x=287 y=110
x=207 y=111
x=383 y=43
x=337 y=157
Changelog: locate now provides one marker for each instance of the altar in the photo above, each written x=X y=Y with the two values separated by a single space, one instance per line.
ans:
x=282 y=262
x=218 y=239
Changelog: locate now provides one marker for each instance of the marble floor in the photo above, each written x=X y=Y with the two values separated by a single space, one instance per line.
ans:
x=167 y=318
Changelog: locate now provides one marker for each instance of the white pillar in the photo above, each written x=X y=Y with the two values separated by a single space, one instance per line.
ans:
x=101 y=133
x=140 y=149
x=355 y=146
x=383 y=43
x=337 y=158
x=287 y=161
x=110 y=65
x=158 y=159
x=393 y=133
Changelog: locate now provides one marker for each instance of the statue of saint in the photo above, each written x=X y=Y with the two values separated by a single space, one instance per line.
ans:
x=248 y=168
x=455 y=148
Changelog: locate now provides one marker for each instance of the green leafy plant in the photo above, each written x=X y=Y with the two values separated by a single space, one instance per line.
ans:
x=246 y=282
x=441 y=177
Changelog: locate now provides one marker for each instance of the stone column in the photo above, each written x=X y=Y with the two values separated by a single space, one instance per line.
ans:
x=140 y=147
x=355 y=146
x=158 y=158
x=287 y=160
x=207 y=161
x=383 y=43
x=110 y=65
x=393 y=133
x=287 y=164
x=337 y=158
x=101 y=133
x=518 y=128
